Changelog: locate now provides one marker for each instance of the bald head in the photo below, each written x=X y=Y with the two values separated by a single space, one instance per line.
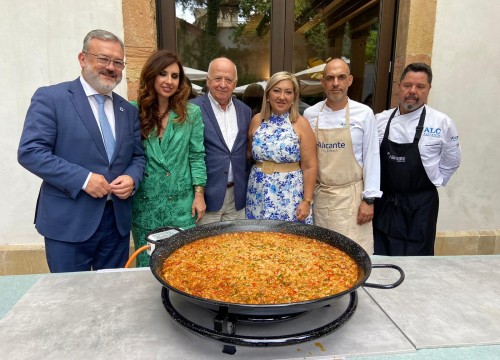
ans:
x=336 y=80
x=222 y=62
x=337 y=63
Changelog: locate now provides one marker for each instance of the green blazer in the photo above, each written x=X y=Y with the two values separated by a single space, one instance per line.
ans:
x=173 y=167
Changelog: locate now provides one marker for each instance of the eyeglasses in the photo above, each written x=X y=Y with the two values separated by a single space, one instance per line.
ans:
x=105 y=61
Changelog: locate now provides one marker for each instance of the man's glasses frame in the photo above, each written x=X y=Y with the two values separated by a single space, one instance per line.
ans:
x=105 y=61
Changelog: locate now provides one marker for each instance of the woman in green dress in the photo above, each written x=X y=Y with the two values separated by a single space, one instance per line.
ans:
x=172 y=189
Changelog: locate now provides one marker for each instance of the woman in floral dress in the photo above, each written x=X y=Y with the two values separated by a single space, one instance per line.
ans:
x=281 y=183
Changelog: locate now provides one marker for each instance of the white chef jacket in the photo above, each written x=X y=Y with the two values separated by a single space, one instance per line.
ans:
x=439 y=146
x=363 y=135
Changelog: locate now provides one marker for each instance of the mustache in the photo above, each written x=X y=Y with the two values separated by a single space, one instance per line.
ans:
x=108 y=72
x=411 y=98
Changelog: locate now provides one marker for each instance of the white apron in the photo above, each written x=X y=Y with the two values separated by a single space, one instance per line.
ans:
x=339 y=185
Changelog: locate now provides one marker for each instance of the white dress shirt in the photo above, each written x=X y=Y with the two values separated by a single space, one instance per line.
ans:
x=363 y=135
x=439 y=146
x=228 y=125
x=108 y=109
x=108 y=105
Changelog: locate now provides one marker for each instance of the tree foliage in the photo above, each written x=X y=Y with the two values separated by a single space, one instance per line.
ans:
x=316 y=37
x=249 y=8
x=371 y=45
x=255 y=28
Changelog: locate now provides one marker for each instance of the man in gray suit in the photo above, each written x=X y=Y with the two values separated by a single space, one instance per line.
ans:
x=226 y=131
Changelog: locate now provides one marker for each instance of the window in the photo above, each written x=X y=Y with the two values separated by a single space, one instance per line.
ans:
x=265 y=36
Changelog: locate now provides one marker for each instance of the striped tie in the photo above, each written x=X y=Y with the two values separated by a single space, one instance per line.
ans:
x=107 y=133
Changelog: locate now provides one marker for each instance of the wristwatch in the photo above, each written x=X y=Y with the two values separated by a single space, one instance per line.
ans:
x=369 y=200
x=310 y=201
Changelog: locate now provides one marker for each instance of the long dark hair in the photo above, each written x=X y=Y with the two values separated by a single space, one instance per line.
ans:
x=252 y=96
x=147 y=98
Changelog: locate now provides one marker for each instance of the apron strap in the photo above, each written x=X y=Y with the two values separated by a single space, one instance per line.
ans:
x=386 y=133
x=419 y=129
x=317 y=118
x=347 y=116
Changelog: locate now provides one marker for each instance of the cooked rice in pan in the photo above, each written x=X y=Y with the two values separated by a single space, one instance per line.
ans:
x=260 y=268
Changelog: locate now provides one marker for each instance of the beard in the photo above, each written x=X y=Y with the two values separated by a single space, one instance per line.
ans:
x=336 y=95
x=410 y=106
x=100 y=85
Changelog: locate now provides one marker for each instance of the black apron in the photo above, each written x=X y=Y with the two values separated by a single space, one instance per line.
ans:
x=405 y=217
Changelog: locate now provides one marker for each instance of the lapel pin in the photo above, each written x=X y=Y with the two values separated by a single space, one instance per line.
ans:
x=121 y=109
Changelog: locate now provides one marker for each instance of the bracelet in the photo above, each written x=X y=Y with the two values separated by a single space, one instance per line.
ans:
x=199 y=189
x=309 y=201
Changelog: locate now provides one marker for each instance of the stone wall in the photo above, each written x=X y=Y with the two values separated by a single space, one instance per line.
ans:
x=415 y=35
x=139 y=22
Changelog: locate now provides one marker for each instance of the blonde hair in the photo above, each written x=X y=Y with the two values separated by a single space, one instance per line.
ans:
x=276 y=78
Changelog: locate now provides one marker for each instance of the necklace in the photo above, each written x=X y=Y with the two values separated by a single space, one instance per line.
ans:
x=163 y=118
x=163 y=127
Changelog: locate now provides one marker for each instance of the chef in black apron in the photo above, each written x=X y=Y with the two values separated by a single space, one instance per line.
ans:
x=405 y=217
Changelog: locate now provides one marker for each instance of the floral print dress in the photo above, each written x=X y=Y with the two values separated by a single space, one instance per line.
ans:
x=275 y=196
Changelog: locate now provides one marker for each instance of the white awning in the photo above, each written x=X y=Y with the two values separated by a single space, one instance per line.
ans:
x=307 y=87
x=316 y=69
x=194 y=74
x=312 y=70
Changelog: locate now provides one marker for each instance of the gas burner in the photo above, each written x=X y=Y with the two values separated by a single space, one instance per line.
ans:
x=225 y=323
x=261 y=319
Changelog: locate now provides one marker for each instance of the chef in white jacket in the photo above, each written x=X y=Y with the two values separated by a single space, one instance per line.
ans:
x=419 y=151
x=348 y=159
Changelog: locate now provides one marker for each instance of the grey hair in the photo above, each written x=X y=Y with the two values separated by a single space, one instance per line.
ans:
x=223 y=57
x=101 y=35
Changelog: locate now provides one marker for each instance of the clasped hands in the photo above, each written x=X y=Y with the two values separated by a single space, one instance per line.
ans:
x=98 y=187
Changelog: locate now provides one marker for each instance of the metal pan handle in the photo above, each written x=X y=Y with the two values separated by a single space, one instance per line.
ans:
x=158 y=235
x=387 y=286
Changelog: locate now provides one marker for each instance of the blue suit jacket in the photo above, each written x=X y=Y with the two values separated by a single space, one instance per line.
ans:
x=218 y=155
x=61 y=143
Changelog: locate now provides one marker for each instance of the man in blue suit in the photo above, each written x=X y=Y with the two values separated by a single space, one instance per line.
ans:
x=226 y=132
x=84 y=142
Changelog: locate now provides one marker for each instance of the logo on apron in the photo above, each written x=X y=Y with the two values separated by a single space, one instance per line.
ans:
x=399 y=159
x=325 y=146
